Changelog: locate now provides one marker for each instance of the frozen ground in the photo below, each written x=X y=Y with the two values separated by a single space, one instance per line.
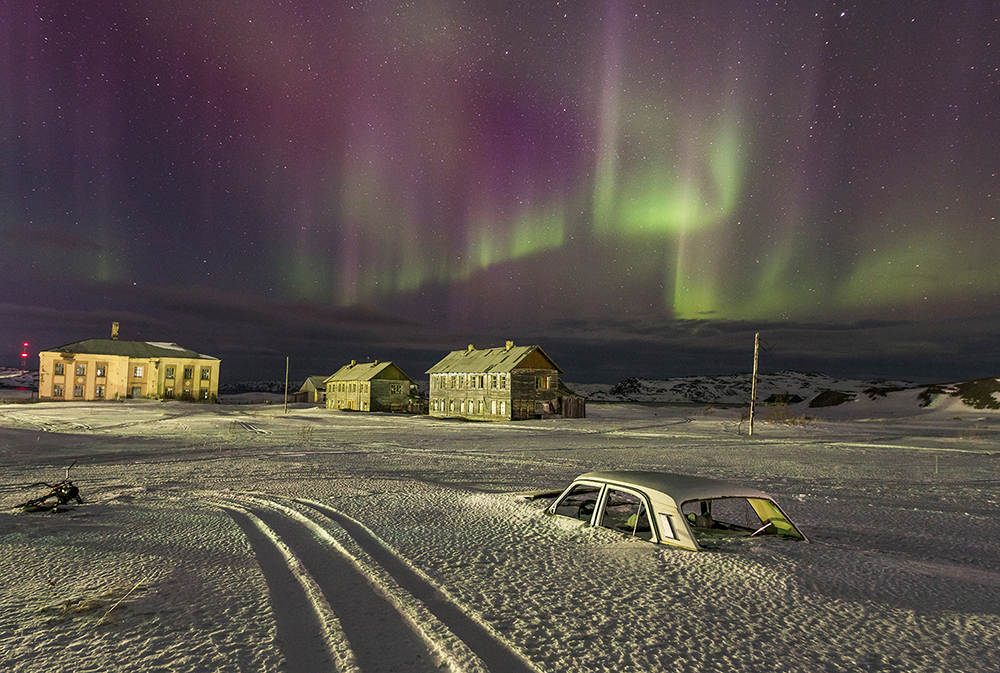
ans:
x=242 y=538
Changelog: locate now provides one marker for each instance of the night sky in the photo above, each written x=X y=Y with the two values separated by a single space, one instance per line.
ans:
x=638 y=187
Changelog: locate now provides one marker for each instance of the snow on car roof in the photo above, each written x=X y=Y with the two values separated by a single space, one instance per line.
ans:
x=681 y=487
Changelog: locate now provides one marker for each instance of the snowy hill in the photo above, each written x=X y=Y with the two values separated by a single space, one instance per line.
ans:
x=17 y=378
x=793 y=388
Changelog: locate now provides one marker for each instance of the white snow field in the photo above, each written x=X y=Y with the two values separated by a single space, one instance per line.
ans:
x=247 y=538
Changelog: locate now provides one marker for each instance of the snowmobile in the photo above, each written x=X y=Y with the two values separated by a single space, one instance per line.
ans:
x=57 y=499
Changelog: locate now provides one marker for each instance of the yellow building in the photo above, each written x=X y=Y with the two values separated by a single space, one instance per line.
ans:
x=98 y=369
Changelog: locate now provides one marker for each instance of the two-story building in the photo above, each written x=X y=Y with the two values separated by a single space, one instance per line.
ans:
x=99 y=369
x=371 y=386
x=501 y=384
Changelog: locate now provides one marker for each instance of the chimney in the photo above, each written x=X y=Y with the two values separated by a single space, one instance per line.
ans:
x=510 y=344
x=354 y=362
x=114 y=331
x=471 y=348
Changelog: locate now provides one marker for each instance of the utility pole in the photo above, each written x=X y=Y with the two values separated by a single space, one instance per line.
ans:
x=753 y=382
x=286 y=384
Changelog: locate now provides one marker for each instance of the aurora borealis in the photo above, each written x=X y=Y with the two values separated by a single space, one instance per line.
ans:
x=636 y=186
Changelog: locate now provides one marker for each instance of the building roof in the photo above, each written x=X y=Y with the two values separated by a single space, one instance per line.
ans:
x=490 y=360
x=317 y=383
x=130 y=349
x=366 y=371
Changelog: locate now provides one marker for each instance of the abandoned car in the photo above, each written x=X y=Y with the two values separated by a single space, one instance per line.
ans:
x=673 y=509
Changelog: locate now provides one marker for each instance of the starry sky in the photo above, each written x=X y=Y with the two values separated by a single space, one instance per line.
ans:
x=638 y=187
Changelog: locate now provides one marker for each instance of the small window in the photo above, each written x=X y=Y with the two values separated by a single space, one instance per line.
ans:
x=666 y=528
x=77 y=391
x=206 y=373
x=99 y=392
x=168 y=392
x=57 y=391
x=188 y=373
x=204 y=393
x=579 y=503
x=137 y=372
x=102 y=371
x=81 y=369
x=59 y=369
x=395 y=388
x=168 y=372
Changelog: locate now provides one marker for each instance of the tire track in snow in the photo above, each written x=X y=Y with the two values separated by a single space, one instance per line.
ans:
x=310 y=637
x=380 y=637
x=496 y=654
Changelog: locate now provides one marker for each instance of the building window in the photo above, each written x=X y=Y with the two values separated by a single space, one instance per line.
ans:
x=206 y=373
x=168 y=372
x=77 y=391
x=542 y=381
x=503 y=408
x=99 y=392
x=81 y=369
x=57 y=391
x=168 y=392
x=503 y=382
x=59 y=369
x=395 y=388
x=137 y=372
x=204 y=393
x=188 y=373
x=102 y=371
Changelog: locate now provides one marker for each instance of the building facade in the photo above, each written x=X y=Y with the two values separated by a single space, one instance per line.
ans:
x=501 y=384
x=110 y=369
x=312 y=390
x=372 y=386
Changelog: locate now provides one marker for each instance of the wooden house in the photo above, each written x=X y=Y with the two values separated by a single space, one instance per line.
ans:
x=312 y=390
x=371 y=386
x=501 y=384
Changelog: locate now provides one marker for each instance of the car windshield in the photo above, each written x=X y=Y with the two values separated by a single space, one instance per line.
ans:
x=737 y=517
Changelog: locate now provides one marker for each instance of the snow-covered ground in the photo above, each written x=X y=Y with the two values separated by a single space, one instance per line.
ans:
x=244 y=538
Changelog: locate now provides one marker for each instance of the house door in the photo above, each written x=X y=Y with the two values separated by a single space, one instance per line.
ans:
x=136 y=392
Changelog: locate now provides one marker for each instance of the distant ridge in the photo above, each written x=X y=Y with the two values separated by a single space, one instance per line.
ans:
x=795 y=388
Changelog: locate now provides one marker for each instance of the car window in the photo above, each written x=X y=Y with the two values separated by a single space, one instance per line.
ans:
x=626 y=513
x=579 y=503
x=737 y=516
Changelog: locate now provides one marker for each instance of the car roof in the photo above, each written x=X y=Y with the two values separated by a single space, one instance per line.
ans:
x=680 y=487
